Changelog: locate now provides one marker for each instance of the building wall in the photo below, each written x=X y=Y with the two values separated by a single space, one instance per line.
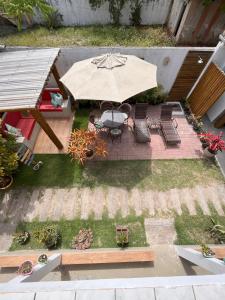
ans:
x=192 y=15
x=166 y=73
x=79 y=12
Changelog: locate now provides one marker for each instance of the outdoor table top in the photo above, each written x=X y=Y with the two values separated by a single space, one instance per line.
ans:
x=113 y=118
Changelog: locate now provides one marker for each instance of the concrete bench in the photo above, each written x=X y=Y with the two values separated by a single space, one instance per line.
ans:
x=86 y=257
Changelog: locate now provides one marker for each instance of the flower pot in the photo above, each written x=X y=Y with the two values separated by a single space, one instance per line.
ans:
x=26 y=268
x=208 y=255
x=90 y=154
x=208 y=154
x=43 y=259
x=8 y=181
x=122 y=236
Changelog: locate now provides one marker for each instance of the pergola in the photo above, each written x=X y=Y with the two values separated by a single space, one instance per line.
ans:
x=23 y=76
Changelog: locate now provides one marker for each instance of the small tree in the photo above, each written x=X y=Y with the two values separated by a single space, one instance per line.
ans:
x=18 y=9
x=83 y=142
x=8 y=157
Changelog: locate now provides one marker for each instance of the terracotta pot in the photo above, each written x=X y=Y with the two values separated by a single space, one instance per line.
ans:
x=9 y=184
x=26 y=264
x=208 y=154
x=90 y=154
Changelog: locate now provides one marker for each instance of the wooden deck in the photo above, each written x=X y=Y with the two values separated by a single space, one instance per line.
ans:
x=62 y=128
x=85 y=257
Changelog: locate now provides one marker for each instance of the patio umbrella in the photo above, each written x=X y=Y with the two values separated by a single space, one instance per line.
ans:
x=110 y=77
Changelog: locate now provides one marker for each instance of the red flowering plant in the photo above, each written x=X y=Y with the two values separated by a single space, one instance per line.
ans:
x=214 y=142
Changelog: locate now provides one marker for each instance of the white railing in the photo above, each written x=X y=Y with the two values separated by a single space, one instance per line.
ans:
x=212 y=265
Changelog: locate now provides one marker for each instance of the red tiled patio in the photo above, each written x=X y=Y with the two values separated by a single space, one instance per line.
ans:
x=128 y=149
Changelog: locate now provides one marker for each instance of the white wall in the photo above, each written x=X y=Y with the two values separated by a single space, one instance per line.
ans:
x=79 y=12
x=166 y=74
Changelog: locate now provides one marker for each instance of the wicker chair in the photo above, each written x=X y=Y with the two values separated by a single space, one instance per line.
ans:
x=98 y=126
x=106 y=105
x=125 y=108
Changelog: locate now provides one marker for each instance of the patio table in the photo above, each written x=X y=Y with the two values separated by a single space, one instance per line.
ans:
x=113 y=119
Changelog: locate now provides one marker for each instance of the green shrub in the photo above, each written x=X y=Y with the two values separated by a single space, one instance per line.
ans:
x=48 y=235
x=153 y=96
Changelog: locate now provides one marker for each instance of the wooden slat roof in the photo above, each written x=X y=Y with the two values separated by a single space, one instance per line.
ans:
x=23 y=75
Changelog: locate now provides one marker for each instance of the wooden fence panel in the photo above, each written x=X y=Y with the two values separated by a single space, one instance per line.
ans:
x=188 y=74
x=210 y=87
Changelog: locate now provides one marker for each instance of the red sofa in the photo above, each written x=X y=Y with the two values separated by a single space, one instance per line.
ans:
x=45 y=101
x=24 y=123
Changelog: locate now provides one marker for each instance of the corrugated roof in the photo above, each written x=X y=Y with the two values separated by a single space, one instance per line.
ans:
x=23 y=75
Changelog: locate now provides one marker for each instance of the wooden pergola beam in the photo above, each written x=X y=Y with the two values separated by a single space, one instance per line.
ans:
x=59 y=83
x=44 y=125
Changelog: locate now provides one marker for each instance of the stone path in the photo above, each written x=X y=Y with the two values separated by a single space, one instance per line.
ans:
x=58 y=203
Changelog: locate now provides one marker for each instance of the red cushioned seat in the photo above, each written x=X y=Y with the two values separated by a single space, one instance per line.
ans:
x=46 y=106
x=45 y=103
x=26 y=125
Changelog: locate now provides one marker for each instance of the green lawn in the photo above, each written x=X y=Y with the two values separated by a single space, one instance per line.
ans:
x=59 y=171
x=103 y=232
x=81 y=118
x=194 y=230
x=145 y=36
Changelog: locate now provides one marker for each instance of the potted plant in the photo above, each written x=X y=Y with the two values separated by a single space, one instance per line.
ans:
x=26 y=268
x=8 y=160
x=214 y=143
x=122 y=236
x=84 y=145
x=21 y=238
x=42 y=259
x=207 y=252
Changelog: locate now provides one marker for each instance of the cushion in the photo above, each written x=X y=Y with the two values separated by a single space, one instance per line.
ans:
x=26 y=125
x=13 y=130
x=56 y=99
x=48 y=107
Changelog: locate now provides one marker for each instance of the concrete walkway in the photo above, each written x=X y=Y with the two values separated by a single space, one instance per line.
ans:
x=54 y=204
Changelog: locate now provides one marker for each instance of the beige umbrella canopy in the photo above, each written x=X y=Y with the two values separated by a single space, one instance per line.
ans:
x=110 y=77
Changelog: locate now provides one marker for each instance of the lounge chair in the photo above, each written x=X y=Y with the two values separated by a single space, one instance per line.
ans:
x=169 y=126
x=141 y=130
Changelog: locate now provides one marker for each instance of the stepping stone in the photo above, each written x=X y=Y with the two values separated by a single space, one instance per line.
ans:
x=160 y=231
x=6 y=232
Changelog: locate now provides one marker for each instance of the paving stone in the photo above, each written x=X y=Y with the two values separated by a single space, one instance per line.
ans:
x=135 y=294
x=95 y=294
x=211 y=292
x=6 y=232
x=176 y=293
x=160 y=231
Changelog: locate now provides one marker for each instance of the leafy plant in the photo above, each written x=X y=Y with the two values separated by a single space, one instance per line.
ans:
x=206 y=251
x=19 y=9
x=122 y=239
x=83 y=142
x=21 y=238
x=217 y=231
x=8 y=157
x=153 y=96
x=54 y=20
x=135 y=15
x=42 y=259
x=48 y=235
x=26 y=268
x=215 y=142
